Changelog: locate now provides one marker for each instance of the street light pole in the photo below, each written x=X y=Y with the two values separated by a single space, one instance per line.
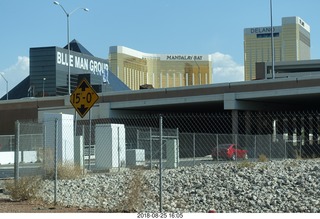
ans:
x=2 y=74
x=199 y=74
x=44 y=79
x=68 y=40
x=272 y=43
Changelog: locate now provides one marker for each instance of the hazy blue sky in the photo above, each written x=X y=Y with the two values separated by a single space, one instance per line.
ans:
x=151 y=26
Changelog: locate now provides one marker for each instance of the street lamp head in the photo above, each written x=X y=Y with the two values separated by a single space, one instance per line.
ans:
x=68 y=33
x=2 y=75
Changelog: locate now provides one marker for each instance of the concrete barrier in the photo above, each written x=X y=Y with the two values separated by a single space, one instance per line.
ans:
x=7 y=157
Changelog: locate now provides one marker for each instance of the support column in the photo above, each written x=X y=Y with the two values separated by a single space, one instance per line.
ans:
x=235 y=124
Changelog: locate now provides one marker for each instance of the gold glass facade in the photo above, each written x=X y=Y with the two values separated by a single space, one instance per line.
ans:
x=291 y=43
x=135 y=68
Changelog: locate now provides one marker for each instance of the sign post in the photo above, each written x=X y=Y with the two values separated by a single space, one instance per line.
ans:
x=83 y=98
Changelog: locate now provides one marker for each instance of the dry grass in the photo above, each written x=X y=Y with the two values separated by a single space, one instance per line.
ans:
x=136 y=192
x=25 y=188
x=133 y=201
x=64 y=171
x=246 y=164
x=262 y=158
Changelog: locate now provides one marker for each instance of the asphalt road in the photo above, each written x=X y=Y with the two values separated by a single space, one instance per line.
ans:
x=7 y=171
x=31 y=169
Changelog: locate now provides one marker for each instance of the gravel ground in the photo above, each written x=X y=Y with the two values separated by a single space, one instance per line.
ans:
x=265 y=187
x=7 y=205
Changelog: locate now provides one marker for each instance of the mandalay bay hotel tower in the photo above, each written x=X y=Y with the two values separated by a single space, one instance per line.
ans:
x=291 y=43
x=135 y=68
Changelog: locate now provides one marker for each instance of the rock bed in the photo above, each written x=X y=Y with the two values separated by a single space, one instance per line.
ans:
x=275 y=186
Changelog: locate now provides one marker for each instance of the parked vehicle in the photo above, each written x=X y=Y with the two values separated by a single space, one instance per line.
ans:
x=229 y=151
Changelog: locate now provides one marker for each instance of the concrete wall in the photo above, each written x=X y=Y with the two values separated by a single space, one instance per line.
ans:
x=7 y=157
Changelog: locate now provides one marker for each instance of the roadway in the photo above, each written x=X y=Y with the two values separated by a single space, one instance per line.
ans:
x=7 y=171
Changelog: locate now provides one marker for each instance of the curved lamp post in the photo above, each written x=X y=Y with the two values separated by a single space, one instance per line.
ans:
x=68 y=35
x=43 y=81
x=2 y=75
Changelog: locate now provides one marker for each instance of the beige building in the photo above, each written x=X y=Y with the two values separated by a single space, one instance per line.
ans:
x=136 y=68
x=291 y=43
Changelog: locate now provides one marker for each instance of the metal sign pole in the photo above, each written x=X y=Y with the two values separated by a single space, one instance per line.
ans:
x=56 y=163
x=89 y=166
x=16 y=154
x=272 y=42
x=160 y=165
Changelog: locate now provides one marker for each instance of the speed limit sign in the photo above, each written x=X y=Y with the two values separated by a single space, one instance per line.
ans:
x=83 y=98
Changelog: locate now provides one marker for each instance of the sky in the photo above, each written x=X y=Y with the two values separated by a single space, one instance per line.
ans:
x=152 y=26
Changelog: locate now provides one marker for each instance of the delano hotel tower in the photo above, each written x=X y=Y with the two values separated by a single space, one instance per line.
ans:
x=136 y=68
x=291 y=43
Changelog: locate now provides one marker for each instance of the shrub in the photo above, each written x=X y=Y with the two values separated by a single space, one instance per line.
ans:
x=136 y=193
x=25 y=188
x=245 y=164
x=64 y=171
x=134 y=199
x=262 y=158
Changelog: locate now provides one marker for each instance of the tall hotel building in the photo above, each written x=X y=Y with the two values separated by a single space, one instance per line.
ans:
x=135 y=68
x=291 y=43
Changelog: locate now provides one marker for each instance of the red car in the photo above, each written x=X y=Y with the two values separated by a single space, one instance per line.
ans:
x=229 y=151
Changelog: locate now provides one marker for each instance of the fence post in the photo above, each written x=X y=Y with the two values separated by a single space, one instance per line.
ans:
x=194 y=148
x=178 y=143
x=217 y=143
x=56 y=162
x=83 y=157
x=285 y=150
x=75 y=122
x=300 y=155
x=44 y=152
x=150 y=148
x=270 y=144
x=160 y=166
x=118 y=149
x=16 y=153
x=89 y=164
x=255 y=147
x=138 y=133
x=236 y=142
x=11 y=143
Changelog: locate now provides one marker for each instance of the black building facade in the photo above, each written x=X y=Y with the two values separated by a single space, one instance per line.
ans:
x=49 y=75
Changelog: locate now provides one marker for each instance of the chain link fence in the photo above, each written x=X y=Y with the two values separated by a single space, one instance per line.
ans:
x=135 y=140
x=165 y=141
